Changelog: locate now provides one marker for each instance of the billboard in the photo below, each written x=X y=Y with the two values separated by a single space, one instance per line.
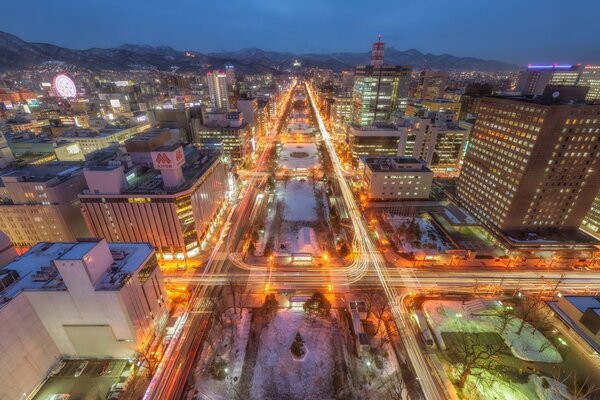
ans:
x=168 y=159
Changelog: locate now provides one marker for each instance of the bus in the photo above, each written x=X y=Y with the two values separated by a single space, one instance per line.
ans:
x=424 y=328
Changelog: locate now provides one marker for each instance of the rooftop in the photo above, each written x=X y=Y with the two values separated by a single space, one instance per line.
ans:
x=42 y=173
x=395 y=164
x=35 y=270
x=582 y=303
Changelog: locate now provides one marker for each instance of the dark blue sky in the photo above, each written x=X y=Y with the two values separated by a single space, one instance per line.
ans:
x=517 y=31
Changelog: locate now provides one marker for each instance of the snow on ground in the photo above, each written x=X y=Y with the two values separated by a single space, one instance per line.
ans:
x=490 y=387
x=430 y=238
x=299 y=200
x=452 y=316
x=288 y=160
x=234 y=355
x=555 y=391
x=278 y=376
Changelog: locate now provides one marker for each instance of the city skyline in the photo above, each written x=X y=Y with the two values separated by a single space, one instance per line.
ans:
x=320 y=28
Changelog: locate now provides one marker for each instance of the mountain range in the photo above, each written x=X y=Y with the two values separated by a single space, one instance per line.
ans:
x=16 y=53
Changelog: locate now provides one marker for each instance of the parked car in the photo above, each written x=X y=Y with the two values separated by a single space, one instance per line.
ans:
x=113 y=395
x=105 y=368
x=80 y=369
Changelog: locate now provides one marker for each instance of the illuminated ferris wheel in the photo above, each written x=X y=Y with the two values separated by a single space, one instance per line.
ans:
x=64 y=86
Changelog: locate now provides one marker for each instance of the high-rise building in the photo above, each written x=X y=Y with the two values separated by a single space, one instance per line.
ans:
x=532 y=164
x=230 y=73
x=79 y=299
x=590 y=77
x=172 y=209
x=432 y=85
x=533 y=80
x=39 y=203
x=379 y=90
x=385 y=139
x=218 y=90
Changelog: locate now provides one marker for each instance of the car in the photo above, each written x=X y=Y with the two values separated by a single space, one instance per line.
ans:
x=56 y=370
x=61 y=396
x=80 y=369
x=119 y=387
x=113 y=395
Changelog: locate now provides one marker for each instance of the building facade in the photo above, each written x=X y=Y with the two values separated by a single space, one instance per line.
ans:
x=39 y=203
x=532 y=165
x=172 y=211
x=396 y=178
x=83 y=299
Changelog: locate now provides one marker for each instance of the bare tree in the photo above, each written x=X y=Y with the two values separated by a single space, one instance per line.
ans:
x=370 y=295
x=505 y=315
x=381 y=307
x=395 y=388
x=532 y=310
x=470 y=355
x=581 y=389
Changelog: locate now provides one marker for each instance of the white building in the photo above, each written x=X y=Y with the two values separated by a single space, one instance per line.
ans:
x=218 y=90
x=396 y=178
x=91 y=141
x=83 y=299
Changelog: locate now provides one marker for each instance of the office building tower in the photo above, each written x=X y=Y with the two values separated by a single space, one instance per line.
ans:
x=379 y=90
x=533 y=80
x=170 y=206
x=87 y=299
x=432 y=85
x=590 y=77
x=218 y=90
x=230 y=73
x=532 y=164
x=39 y=203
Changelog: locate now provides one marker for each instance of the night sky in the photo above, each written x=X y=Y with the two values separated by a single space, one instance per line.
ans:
x=518 y=31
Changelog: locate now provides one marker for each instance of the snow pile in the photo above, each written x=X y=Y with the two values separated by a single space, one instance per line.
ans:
x=278 y=376
x=555 y=390
x=307 y=241
x=452 y=316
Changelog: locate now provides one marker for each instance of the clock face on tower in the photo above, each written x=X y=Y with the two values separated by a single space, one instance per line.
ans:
x=64 y=86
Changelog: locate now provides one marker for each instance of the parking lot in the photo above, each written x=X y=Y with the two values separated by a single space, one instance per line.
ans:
x=89 y=385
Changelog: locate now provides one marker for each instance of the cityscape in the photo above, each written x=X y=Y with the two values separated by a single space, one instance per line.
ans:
x=332 y=219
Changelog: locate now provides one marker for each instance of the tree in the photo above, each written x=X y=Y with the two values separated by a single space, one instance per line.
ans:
x=297 y=348
x=317 y=305
x=395 y=388
x=470 y=353
x=251 y=248
x=505 y=315
x=381 y=311
x=344 y=250
x=270 y=306
x=532 y=310
x=580 y=389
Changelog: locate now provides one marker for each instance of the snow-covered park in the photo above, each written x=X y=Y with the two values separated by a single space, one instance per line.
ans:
x=278 y=376
x=426 y=236
x=299 y=156
x=453 y=316
x=299 y=200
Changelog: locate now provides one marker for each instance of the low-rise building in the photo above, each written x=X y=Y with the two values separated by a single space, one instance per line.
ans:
x=396 y=178
x=90 y=140
x=38 y=203
x=82 y=299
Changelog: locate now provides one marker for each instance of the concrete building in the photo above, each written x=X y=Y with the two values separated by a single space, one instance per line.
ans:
x=396 y=178
x=583 y=314
x=534 y=79
x=44 y=148
x=6 y=155
x=83 y=299
x=90 y=141
x=431 y=85
x=218 y=91
x=170 y=206
x=230 y=129
x=531 y=165
x=379 y=90
x=38 y=203
x=7 y=249
x=590 y=77
x=141 y=146
x=341 y=111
